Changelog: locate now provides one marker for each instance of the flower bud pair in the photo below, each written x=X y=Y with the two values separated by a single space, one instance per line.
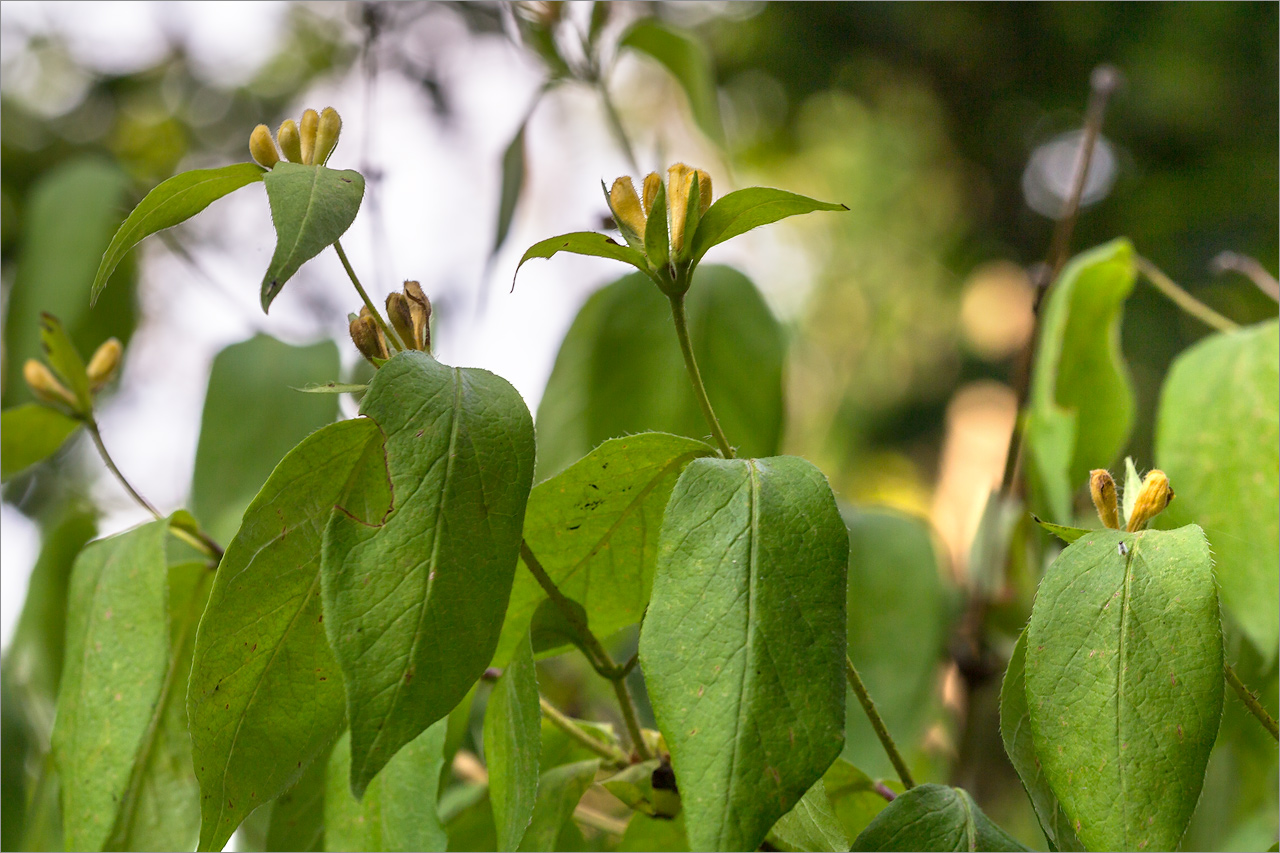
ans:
x=410 y=314
x=311 y=144
x=1154 y=495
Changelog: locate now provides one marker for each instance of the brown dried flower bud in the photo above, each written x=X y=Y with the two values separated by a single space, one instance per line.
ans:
x=420 y=311
x=401 y=317
x=1103 y=490
x=368 y=337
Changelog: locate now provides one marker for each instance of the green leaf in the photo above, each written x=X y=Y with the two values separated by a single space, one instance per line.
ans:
x=513 y=169
x=265 y=697
x=655 y=834
x=934 y=817
x=31 y=433
x=512 y=746
x=688 y=61
x=854 y=796
x=161 y=807
x=550 y=629
x=583 y=243
x=414 y=605
x=633 y=785
x=1132 y=485
x=64 y=359
x=1081 y=402
x=811 y=826
x=118 y=653
x=297 y=815
x=559 y=791
x=252 y=419
x=899 y=617
x=657 y=246
x=171 y=202
x=620 y=371
x=743 y=645
x=1066 y=534
x=311 y=206
x=1015 y=731
x=594 y=529
x=398 y=810
x=740 y=211
x=68 y=217
x=1218 y=439
x=1124 y=683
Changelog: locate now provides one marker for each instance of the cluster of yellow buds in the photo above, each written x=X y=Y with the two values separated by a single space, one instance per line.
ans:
x=685 y=198
x=309 y=142
x=410 y=313
x=101 y=370
x=1154 y=495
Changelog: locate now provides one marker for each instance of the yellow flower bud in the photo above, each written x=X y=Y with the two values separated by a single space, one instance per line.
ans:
x=626 y=206
x=102 y=367
x=651 y=183
x=290 y=141
x=45 y=385
x=704 y=191
x=327 y=135
x=262 y=148
x=420 y=311
x=307 y=130
x=1153 y=497
x=368 y=337
x=1103 y=490
x=401 y=319
x=679 y=183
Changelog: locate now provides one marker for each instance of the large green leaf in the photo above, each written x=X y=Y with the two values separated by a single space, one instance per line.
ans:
x=1015 y=730
x=688 y=61
x=161 y=807
x=900 y=616
x=1218 y=439
x=619 y=370
x=398 y=809
x=68 y=219
x=117 y=657
x=855 y=797
x=297 y=815
x=175 y=200
x=512 y=746
x=741 y=210
x=743 y=645
x=1081 y=404
x=311 y=206
x=934 y=817
x=251 y=419
x=594 y=528
x=414 y=605
x=1124 y=683
x=559 y=790
x=29 y=434
x=583 y=243
x=812 y=825
x=265 y=697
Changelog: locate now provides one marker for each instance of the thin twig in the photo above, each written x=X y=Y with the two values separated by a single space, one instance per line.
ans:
x=1184 y=300
x=877 y=723
x=1250 y=268
x=368 y=303
x=566 y=724
x=1251 y=701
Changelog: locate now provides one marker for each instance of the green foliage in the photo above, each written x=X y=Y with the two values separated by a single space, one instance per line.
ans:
x=413 y=640
x=687 y=60
x=1081 y=406
x=311 y=206
x=251 y=419
x=265 y=696
x=811 y=825
x=1124 y=683
x=171 y=202
x=740 y=211
x=583 y=243
x=512 y=747
x=31 y=434
x=934 y=817
x=559 y=791
x=1221 y=402
x=617 y=368
x=743 y=644
x=297 y=816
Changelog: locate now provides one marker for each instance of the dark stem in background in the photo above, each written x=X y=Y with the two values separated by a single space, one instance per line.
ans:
x=1249 y=267
x=877 y=723
x=1250 y=701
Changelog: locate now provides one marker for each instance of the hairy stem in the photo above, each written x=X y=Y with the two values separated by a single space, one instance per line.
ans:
x=561 y=721
x=1251 y=701
x=368 y=303
x=691 y=365
x=1184 y=300
x=869 y=706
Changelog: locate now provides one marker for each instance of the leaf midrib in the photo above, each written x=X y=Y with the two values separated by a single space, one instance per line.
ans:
x=306 y=218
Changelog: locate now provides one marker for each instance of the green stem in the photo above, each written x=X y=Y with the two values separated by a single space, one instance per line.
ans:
x=691 y=365
x=1251 y=701
x=368 y=303
x=601 y=661
x=574 y=731
x=886 y=741
x=1184 y=300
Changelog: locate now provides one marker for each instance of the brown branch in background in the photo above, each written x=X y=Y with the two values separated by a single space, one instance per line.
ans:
x=1249 y=267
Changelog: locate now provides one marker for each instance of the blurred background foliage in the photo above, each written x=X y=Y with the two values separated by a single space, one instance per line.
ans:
x=935 y=123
